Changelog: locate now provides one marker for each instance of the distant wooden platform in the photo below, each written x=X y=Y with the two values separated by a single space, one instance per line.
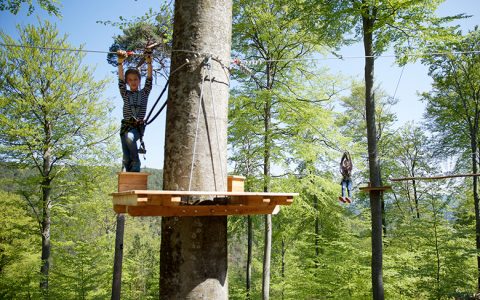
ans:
x=368 y=189
x=175 y=203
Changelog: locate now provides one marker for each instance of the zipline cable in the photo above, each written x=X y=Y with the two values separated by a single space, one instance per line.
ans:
x=255 y=62
x=398 y=82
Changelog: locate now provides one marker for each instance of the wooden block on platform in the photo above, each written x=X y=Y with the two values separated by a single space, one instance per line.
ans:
x=132 y=181
x=235 y=183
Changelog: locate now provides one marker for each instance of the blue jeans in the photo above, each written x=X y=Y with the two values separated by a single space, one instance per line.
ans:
x=346 y=184
x=131 y=160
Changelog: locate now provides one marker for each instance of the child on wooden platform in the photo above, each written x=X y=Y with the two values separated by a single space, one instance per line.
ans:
x=134 y=109
x=346 y=166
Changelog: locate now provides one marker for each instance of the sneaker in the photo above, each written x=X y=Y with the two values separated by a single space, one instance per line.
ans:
x=348 y=200
x=342 y=199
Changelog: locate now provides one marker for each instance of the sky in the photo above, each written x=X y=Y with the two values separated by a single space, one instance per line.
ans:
x=79 y=22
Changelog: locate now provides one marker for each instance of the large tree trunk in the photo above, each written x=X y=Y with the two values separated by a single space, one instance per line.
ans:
x=375 y=196
x=193 y=259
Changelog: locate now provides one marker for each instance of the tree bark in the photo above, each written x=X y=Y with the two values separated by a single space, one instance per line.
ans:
x=267 y=254
x=46 y=209
x=415 y=195
x=267 y=249
x=437 y=249
x=284 y=251
x=249 y=255
x=193 y=258
x=317 y=230
x=473 y=137
x=118 y=259
x=46 y=246
x=368 y=18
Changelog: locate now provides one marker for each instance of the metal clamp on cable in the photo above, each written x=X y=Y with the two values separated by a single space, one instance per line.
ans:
x=207 y=62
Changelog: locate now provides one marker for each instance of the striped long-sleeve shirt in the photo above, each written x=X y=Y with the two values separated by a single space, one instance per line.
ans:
x=135 y=102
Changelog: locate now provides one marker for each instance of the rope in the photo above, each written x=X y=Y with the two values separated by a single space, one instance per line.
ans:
x=196 y=130
x=209 y=67
x=147 y=119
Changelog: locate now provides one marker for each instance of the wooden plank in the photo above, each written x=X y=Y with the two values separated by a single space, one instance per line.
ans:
x=281 y=200
x=120 y=209
x=200 y=210
x=203 y=193
x=165 y=200
x=168 y=203
x=249 y=200
x=129 y=200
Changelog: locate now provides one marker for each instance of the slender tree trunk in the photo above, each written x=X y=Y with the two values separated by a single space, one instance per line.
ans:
x=384 y=219
x=249 y=246
x=46 y=246
x=415 y=195
x=193 y=258
x=317 y=229
x=267 y=254
x=284 y=250
x=118 y=258
x=437 y=250
x=473 y=136
x=46 y=209
x=368 y=18
x=249 y=255
x=267 y=250
x=409 y=198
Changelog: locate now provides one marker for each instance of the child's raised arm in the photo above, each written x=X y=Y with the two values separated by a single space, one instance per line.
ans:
x=121 y=57
x=148 y=60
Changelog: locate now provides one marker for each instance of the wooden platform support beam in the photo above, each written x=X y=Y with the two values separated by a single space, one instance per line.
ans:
x=126 y=181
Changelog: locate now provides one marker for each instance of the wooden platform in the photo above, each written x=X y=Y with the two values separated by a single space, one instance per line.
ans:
x=177 y=203
x=379 y=188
